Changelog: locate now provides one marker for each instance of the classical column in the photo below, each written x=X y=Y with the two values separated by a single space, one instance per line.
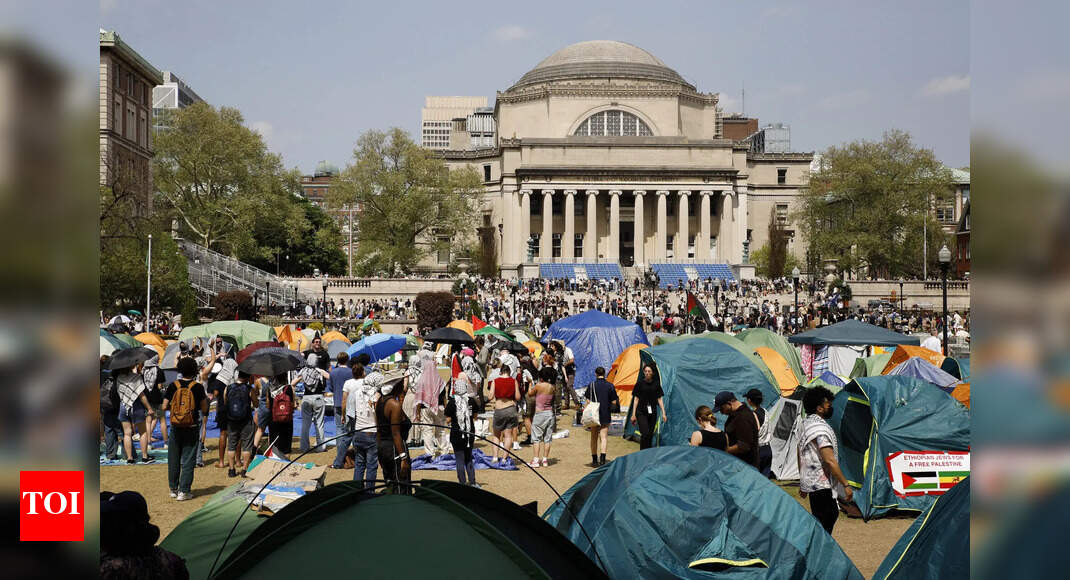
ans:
x=590 y=239
x=741 y=220
x=725 y=244
x=508 y=224
x=546 y=240
x=702 y=243
x=682 y=230
x=614 y=226
x=662 y=227
x=525 y=223
x=639 y=235
x=568 y=239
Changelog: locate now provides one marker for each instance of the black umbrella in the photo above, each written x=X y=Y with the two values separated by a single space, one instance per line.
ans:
x=128 y=357
x=271 y=361
x=510 y=346
x=449 y=336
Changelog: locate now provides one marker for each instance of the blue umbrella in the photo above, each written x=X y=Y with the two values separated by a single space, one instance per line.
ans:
x=377 y=346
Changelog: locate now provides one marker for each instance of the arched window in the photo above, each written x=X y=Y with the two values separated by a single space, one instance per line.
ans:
x=613 y=124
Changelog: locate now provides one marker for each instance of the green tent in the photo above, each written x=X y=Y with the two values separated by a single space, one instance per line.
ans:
x=937 y=544
x=874 y=417
x=199 y=537
x=756 y=337
x=244 y=332
x=870 y=366
x=694 y=512
x=692 y=372
x=854 y=333
x=461 y=532
x=127 y=340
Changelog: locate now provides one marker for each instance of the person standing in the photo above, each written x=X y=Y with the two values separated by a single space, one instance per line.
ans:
x=648 y=397
x=133 y=409
x=312 y=404
x=506 y=417
x=819 y=463
x=335 y=381
x=281 y=399
x=109 y=412
x=461 y=414
x=188 y=404
x=765 y=452
x=741 y=427
x=604 y=393
x=323 y=358
x=392 y=428
x=430 y=411
x=543 y=422
x=708 y=435
x=346 y=415
x=153 y=379
x=238 y=405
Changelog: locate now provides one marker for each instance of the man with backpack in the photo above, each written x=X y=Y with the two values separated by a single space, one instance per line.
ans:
x=238 y=402
x=188 y=404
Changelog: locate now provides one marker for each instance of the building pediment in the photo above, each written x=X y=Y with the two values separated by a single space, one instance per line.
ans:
x=632 y=173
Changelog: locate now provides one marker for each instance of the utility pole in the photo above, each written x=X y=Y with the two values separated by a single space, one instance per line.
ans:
x=148 y=286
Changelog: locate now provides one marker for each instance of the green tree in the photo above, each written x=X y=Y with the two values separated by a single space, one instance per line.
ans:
x=123 y=280
x=411 y=203
x=869 y=202
x=760 y=259
x=218 y=179
x=320 y=246
x=778 y=246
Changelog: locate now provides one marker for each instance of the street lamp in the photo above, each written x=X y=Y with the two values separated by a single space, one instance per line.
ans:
x=256 y=295
x=902 y=299
x=268 y=282
x=795 y=278
x=945 y=262
x=325 y=302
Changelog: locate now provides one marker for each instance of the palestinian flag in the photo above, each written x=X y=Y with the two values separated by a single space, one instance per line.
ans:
x=927 y=481
x=477 y=323
x=696 y=309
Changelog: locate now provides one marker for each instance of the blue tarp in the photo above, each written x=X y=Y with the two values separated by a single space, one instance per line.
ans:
x=447 y=462
x=691 y=512
x=937 y=544
x=596 y=340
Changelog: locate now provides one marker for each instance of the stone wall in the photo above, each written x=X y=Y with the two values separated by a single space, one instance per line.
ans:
x=916 y=292
x=371 y=288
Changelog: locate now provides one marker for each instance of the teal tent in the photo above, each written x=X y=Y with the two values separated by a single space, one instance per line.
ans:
x=729 y=340
x=853 y=332
x=874 y=417
x=692 y=372
x=937 y=544
x=756 y=337
x=244 y=332
x=198 y=538
x=694 y=512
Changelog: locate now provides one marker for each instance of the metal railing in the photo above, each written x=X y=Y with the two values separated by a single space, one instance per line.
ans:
x=211 y=273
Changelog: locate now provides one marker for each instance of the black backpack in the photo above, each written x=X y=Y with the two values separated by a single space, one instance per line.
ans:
x=109 y=398
x=239 y=408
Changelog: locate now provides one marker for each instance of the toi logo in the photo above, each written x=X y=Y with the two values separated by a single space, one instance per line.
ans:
x=51 y=506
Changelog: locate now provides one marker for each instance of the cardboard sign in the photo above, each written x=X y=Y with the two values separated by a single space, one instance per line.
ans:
x=927 y=472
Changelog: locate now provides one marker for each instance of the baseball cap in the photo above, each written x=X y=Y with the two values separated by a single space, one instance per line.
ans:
x=723 y=397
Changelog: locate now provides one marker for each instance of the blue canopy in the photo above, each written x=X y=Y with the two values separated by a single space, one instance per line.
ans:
x=690 y=512
x=596 y=340
x=874 y=417
x=855 y=333
x=377 y=346
x=937 y=544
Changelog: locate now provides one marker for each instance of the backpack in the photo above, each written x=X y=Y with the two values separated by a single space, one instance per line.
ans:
x=108 y=397
x=282 y=406
x=183 y=404
x=238 y=405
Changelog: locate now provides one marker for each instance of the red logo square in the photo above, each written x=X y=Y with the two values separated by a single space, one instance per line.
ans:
x=51 y=506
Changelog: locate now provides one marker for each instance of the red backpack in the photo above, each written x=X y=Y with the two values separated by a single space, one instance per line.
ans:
x=282 y=406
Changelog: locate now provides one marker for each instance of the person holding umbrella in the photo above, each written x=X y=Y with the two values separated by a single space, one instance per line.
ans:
x=134 y=404
x=275 y=396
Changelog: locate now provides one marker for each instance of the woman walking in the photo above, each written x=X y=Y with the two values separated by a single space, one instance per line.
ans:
x=543 y=422
x=648 y=397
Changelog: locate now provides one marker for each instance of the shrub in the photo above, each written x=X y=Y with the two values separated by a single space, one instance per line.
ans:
x=434 y=309
x=232 y=305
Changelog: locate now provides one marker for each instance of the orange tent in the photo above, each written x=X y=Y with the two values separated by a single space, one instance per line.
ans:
x=780 y=368
x=292 y=339
x=463 y=325
x=961 y=393
x=150 y=339
x=625 y=372
x=335 y=335
x=904 y=352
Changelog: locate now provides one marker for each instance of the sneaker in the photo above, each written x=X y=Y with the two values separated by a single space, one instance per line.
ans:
x=130 y=461
x=183 y=496
x=241 y=474
x=545 y=463
x=475 y=485
x=232 y=473
x=174 y=493
x=148 y=460
x=516 y=445
x=534 y=463
x=200 y=464
x=137 y=437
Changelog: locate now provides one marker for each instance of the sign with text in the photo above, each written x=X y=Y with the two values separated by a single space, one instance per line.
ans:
x=927 y=472
x=51 y=506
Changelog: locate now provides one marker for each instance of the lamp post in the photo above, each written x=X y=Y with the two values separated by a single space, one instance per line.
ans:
x=795 y=278
x=902 y=299
x=256 y=295
x=325 y=302
x=514 y=288
x=944 y=256
x=268 y=282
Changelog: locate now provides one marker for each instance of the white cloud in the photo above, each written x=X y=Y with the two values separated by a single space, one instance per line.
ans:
x=511 y=32
x=844 y=100
x=941 y=86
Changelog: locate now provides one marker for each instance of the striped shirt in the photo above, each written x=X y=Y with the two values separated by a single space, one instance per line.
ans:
x=814 y=433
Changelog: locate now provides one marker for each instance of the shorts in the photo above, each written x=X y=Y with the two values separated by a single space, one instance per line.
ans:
x=134 y=414
x=263 y=418
x=240 y=431
x=505 y=419
x=542 y=427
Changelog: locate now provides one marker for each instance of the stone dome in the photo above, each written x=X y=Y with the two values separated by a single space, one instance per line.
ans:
x=325 y=169
x=596 y=59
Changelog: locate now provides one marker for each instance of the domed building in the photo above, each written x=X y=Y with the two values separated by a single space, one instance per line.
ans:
x=608 y=159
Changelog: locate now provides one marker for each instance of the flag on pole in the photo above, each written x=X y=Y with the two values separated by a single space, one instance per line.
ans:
x=477 y=323
x=695 y=308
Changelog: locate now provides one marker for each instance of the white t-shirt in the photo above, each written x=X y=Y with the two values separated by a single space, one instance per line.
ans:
x=352 y=391
x=932 y=343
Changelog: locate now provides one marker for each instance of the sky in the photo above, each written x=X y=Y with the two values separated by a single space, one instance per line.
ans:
x=311 y=77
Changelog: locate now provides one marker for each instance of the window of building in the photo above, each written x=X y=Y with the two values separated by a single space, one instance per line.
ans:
x=691 y=247
x=613 y=124
x=444 y=250
x=577 y=248
x=782 y=176
x=555 y=248
x=713 y=245
x=668 y=247
x=486 y=172
x=945 y=211
x=130 y=83
x=782 y=213
x=117 y=82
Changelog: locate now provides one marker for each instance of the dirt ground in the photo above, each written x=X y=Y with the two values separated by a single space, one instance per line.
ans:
x=865 y=543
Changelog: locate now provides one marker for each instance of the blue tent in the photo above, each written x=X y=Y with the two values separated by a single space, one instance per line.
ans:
x=874 y=417
x=853 y=332
x=691 y=512
x=937 y=544
x=596 y=340
x=692 y=372
x=920 y=368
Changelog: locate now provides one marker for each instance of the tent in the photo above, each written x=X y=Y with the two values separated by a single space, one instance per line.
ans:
x=625 y=372
x=327 y=337
x=852 y=332
x=757 y=337
x=905 y=352
x=782 y=422
x=729 y=340
x=150 y=339
x=870 y=366
x=690 y=512
x=245 y=332
x=921 y=368
x=198 y=538
x=692 y=372
x=937 y=544
x=370 y=535
x=596 y=338
x=782 y=372
x=874 y=417
x=462 y=325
